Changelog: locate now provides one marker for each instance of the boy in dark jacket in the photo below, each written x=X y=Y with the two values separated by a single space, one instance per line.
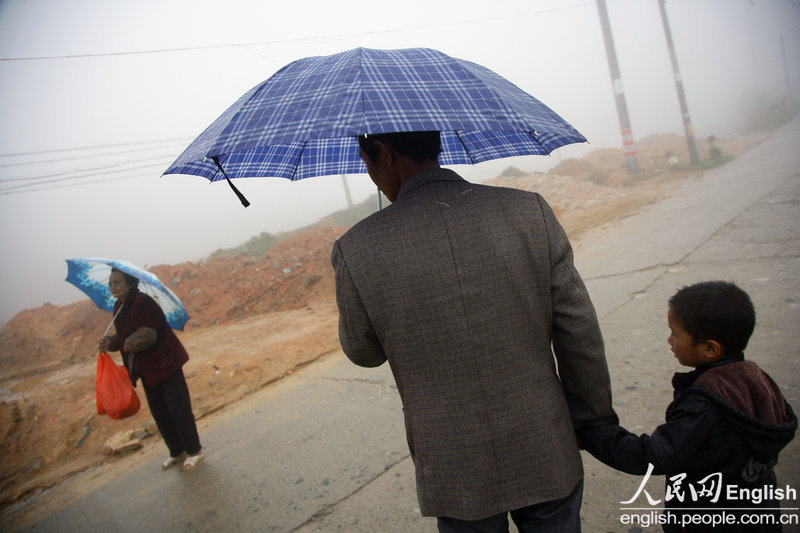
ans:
x=724 y=428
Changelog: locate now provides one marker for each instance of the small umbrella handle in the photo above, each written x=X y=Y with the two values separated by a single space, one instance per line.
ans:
x=241 y=197
x=113 y=318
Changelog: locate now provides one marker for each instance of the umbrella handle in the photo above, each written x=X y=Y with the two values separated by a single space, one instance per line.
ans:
x=113 y=318
x=241 y=197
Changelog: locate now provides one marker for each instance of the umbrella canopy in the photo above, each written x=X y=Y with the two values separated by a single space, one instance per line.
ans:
x=304 y=120
x=90 y=274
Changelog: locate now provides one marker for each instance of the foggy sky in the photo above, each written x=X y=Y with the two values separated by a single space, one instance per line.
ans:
x=117 y=119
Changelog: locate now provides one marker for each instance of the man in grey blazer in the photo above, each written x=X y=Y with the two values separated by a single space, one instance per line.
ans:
x=469 y=292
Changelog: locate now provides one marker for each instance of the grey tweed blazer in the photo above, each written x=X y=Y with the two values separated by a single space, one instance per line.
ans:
x=464 y=288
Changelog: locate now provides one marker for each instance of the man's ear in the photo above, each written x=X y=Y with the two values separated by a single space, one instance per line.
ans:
x=712 y=350
x=383 y=153
x=386 y=152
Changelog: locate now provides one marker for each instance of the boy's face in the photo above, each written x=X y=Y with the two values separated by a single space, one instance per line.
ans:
x=683 y=346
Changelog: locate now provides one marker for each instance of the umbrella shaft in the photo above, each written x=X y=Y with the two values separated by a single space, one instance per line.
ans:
x=113 y=318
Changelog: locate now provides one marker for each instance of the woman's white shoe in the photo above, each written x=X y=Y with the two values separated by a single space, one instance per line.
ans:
x=192 y=460
x=173 y=461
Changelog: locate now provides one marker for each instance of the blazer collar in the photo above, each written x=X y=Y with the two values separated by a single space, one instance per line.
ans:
x=427 y=176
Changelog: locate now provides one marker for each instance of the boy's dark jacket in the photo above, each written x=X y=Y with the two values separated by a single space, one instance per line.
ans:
x=726 y=417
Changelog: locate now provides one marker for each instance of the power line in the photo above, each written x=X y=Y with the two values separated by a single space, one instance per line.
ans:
x=68 y=185
x=161 y=159
x=295 y=40
x=132 y=52
x=67 y=178
x=74 y=158
x=98 y=147
x=55 y=179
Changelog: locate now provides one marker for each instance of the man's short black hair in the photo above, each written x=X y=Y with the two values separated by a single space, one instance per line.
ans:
x=718 y=311
x=420 y=146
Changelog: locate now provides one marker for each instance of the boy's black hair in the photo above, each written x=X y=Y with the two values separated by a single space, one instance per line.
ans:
x=130 y=281
x=420 y=146
x=715 y=310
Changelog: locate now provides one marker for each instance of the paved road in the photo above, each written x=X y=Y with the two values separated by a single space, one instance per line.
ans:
x=324 y=450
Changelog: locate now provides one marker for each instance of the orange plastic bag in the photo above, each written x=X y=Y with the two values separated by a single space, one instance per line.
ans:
x=116 y=396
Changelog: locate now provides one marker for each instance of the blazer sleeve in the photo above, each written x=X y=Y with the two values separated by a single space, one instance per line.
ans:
x=577 y=340
x=673 y=446
x=359 y=340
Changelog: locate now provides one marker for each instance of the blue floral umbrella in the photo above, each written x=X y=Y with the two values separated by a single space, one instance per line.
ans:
x=305 y=119
x=90 y=274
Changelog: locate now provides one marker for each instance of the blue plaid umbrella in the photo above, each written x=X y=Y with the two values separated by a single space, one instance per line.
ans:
x=90 y=274
x=304 y=120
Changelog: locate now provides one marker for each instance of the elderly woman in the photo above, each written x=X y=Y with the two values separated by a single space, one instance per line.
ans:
x=151 y=351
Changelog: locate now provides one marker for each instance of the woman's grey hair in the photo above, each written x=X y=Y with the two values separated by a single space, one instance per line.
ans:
x=130 y=281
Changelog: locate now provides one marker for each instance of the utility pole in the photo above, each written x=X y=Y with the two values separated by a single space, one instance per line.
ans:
x=786 y=70
x=628 y=146
x=687 y=122
x=347 y=191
